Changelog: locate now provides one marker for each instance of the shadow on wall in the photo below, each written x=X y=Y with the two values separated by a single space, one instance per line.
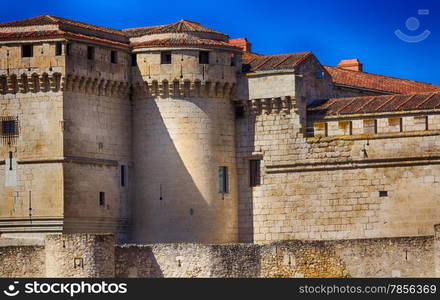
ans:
x=177 y=198
x=141 y=263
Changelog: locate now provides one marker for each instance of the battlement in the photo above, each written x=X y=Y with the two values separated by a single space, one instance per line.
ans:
x=271 y=105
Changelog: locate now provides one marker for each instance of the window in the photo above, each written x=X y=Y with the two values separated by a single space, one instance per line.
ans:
x=27 y=51
x=90 y=52
x=383 y=193
x=9 y=128
x=134 y=60
x=223 y=180
x=370 y=126
x=123 y=172
x=68 y=48
x=204 y=57
x=345 y=127
x=255 y=172
x=232 y=60
x=420 y=122
x=165 y=57
x=114 y=57
x=58 y=49
x=101 y=199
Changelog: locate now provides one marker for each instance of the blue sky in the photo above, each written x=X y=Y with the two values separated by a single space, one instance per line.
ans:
x=333 y=30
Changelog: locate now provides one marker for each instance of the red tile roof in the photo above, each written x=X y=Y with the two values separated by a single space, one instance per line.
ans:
x=243 y=43
x=178 y=27
x=185 y=42
x=257 y=62
x=47 y=20
x=378 y=82
x=376 y=104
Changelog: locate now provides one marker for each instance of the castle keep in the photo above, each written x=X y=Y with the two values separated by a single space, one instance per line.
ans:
x=177 y=133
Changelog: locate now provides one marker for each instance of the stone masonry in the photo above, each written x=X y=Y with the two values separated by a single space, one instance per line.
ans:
x=178 y=134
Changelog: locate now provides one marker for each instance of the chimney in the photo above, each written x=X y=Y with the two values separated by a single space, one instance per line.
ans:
x=242 y=43
x=350 y=64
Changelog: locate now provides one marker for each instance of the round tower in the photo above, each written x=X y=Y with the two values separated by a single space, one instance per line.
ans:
x=183 y=78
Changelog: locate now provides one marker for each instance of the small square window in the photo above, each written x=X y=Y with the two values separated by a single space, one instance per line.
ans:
x=90 y=52
x=27 y=51
x=101 y=199
x=134 y=60
x=165 y=57
x=9 y=128
x=114 y=57
x=383 y=193
x=204 y=57
x=58 y=49
x=223 y=180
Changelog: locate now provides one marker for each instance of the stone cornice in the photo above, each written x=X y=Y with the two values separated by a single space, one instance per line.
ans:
x=353 y=164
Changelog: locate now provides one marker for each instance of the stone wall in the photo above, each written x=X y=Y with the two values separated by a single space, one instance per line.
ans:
x=368 y=185
x=97 y=140
x=80 y=255
x=22 y=261
x=31 y=177
x=96 y=255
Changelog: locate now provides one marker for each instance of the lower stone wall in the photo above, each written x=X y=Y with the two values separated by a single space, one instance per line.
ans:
x=90 y=255
x=22 y=261
x=387 y=257
x=187 y=260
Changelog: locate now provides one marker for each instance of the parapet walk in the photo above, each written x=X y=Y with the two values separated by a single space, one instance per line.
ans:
x=97 y=255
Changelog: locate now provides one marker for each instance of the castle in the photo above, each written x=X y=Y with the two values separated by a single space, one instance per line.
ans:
x=177 y=133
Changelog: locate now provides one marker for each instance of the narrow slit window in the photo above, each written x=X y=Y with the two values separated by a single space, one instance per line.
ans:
x=255 y=172
x=27 y=51
x=165 y=57
x=58 y=49
x=90 y=52
x=101 y=199
x=134 y=60
x=68 y=48
x=114 y=57
x=223 y=180
x=123 y=175
x=233 y=60
x=204 y=57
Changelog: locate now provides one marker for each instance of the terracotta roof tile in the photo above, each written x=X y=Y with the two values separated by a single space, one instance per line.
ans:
x=376 y=104
x=256 y=62
x=378 y=82
x=47 y=20
x=178 y=27
x=187 y=42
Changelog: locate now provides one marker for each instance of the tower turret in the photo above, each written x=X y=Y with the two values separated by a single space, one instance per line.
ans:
x=183 y=78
